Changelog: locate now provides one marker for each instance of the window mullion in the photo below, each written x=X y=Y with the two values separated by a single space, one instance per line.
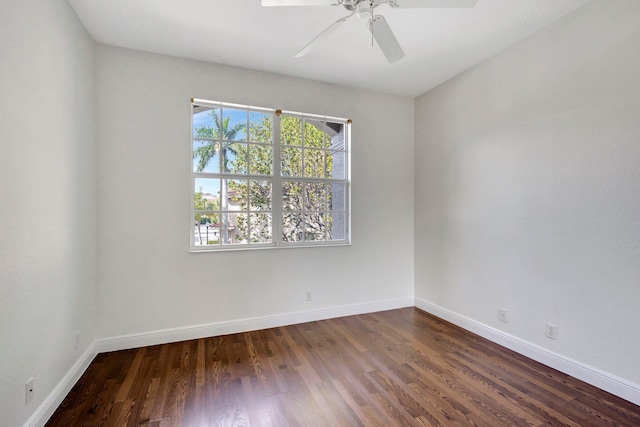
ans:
x=276 y=199
x=303 y=207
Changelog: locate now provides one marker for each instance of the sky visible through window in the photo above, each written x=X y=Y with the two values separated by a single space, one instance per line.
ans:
x=204 y=119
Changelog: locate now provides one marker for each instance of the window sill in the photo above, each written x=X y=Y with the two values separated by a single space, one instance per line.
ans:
x=208 y=249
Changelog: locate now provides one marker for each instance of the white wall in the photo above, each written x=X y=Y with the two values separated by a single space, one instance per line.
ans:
x=527 y=189
x=148 y=279
x=47 y=199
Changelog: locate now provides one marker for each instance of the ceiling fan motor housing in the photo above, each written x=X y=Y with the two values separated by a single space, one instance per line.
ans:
x=364 y=9
x=359 y=6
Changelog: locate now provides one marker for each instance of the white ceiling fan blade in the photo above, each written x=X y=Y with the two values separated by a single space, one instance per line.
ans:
x=405 y=4
x=299 y=2
x=385 y=39
x=331 y=28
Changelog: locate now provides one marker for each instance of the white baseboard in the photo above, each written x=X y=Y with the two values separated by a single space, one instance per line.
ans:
x=243 y=325
x=55 y=398
x=596 y=377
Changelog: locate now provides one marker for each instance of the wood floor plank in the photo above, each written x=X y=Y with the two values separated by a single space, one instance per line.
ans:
x=394 y=368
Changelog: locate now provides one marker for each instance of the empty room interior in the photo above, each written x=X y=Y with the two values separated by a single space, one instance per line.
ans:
x=489 y=187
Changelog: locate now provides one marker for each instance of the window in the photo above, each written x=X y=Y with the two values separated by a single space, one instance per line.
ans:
x=268 y=178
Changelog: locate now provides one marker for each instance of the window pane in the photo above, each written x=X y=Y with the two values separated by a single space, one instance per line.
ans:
x=292 y=226
x=314 y=163
x=206 y=194
x=337 y=226
x=314 y=196
x=291 y=162
x=335 y=165
x=205 y=156
x=260 y=159
x=313 y=133
x=207 y=230
x=260 y=228
x=234 y=125
x=227 y=227
x=205 y=120
x=290 y=130
x=260 y=195
x=336 y=194
x=237 y=227
x=292 y=197
x=315 y=227
x=260 y=127
x=234 y=158
x=234 y=195
x=335 y=135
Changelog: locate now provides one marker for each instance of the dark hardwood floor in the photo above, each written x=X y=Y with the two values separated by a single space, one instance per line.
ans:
x=395 y=368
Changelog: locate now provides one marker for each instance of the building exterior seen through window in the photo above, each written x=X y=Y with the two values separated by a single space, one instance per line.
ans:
x=266 y=178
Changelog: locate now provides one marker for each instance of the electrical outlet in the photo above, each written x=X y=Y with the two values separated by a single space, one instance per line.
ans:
x=502 y=315
x=308 y=296
x=77 y=343
x=28 y=391
x=551 y=331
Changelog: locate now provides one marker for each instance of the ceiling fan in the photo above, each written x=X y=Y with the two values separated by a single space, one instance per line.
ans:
x=364 y=9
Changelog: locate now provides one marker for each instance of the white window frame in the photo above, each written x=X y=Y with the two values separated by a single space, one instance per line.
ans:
x=276 y=179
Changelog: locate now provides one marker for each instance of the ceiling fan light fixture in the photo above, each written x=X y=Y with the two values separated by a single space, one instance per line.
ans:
x=364 y=9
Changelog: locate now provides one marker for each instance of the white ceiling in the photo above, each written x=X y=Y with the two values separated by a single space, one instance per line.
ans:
x=438 y=43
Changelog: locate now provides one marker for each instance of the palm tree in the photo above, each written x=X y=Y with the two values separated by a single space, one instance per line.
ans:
x=217 y=142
